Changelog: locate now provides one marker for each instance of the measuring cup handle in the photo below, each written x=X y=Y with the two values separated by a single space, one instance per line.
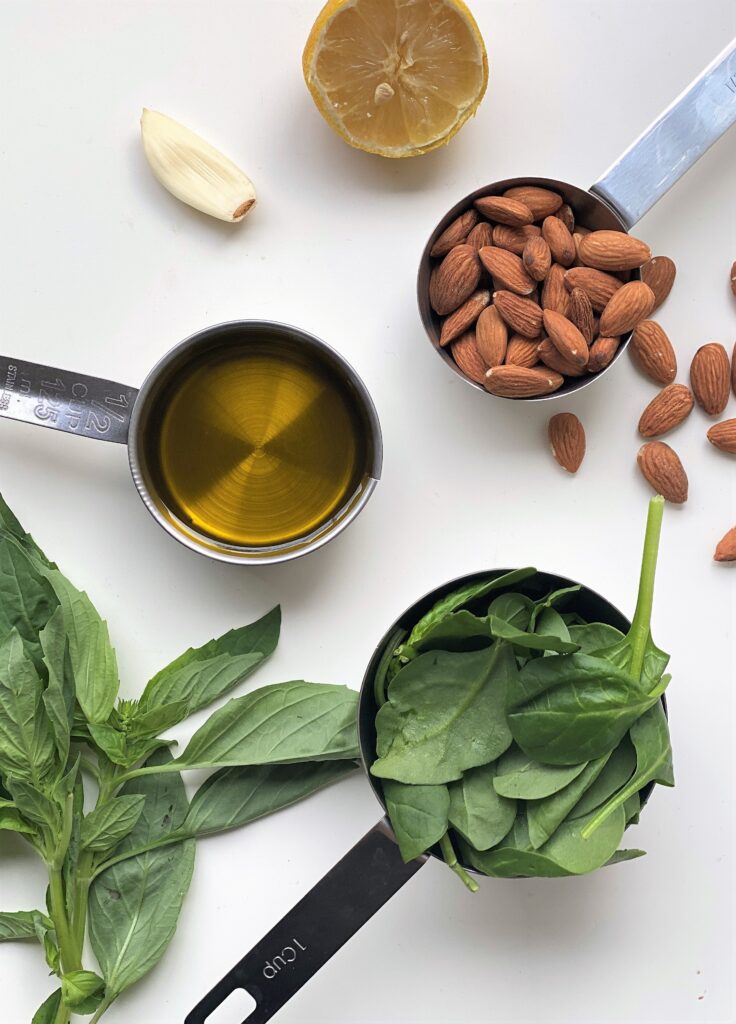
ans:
x=73 y=402
x=311 y=933
x=672 y=144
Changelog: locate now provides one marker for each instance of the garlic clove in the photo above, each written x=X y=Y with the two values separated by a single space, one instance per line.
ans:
x=193 y=170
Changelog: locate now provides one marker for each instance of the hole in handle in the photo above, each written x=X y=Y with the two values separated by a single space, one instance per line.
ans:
x=236 y=1008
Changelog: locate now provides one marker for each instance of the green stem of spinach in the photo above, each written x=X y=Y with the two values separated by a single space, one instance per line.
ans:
x=641 y=624
x=451 y=860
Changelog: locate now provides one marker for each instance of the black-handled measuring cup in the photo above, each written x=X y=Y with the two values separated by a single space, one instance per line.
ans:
x=372 y=871
x=97 y=408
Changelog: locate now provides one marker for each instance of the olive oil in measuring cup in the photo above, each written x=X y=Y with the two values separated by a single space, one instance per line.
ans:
x=258 y=442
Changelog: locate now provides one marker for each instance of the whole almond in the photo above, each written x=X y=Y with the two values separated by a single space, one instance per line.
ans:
x=733 y=370
x=566 y=215
x=464 y=317
x=522 y=315
x=613 y=250
x=709 y=378
x=733 y=277
x=597 y=285
x=726 y=547
x=467 y=356
x=567 y=440
x=653 y=351
x=454 y=280
x=559 y=240
x=482 y=234
x=491 y=335
x=723 y=436
x=514 y=239
x=631 y=304
x=663 y=470
x=554 y=292
x=602 y=352
x=659 y=273
x=566 y=338
x=455 y=233
x=537 y=258
x=552 y=358
x=580 y=312
x=505 y=211
x=522 y=351
x=666 y=410
x=522 y=381
x=507 y=269
x=541 y=201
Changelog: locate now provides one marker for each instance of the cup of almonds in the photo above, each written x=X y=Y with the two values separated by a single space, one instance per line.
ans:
x=528 y=294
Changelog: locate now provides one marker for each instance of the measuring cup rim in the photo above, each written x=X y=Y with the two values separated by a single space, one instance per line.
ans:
x=367 y=708
x=233 y=554
x=428 y=317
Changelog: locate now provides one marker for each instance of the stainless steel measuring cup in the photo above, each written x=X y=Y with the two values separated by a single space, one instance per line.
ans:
x=628 y=189
x=372 y=871
x=92 y=407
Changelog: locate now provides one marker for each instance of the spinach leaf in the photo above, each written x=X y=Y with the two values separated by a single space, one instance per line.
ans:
x=547 y=603
x=651 y=739
x=532 y=641
x=20 y=925
x=632 y=807
x=616 y=773
x=573 y=708
x=453 y=632
x=477 y=812
x=623 y=855
x=595 y=637
x=236 y=796
x=134 y=906
x=516 y=609
x=463 y=596
x=201 y=675
x=545 y=816
x=445 y=714
x=106 y=826
x=520 y=777
x=380 y=680
x=27 y=749
x=285 y=722
x=418 y=815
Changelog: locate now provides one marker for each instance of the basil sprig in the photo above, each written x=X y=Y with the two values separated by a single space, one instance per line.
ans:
x=520 y=734
x=119 y=862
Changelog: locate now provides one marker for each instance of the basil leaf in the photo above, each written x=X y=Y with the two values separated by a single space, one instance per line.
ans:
x=34 y=805
x=20 y=925
x=445 y=714
x=71 y=861
x=545 y=816
x=573 y=707
x=651 y=739
x=59 y=696
x=201 y=675
x=26 y=599
x=92 y=658
x=236 y=796
x=27 y=748
x=477 y=812
x=158 y=719
x=46 y=1013
x=462 y=596
x=522 y=778
x=12 y=821
x=286 y=722
x=10 y=524
x=107 y=825
x=617 y=772
x=78 y=986
x=418 y=815
x=531 y=641
x=110 y=741
x=134 y=906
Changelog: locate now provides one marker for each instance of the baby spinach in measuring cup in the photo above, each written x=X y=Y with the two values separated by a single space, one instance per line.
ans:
x=515 y=732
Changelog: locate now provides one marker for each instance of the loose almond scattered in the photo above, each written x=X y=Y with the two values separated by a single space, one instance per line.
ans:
x=723 y=435
x=567 y=440
x=710 y=374
x=666 y=411
x=663 y=470
x=726 y=547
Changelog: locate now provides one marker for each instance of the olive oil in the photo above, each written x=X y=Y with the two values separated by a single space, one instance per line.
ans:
x=257 y=444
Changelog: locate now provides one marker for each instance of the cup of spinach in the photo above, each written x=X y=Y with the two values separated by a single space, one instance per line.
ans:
x=512 y=724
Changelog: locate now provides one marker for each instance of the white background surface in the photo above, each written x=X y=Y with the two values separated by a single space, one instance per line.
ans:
x=102 y=271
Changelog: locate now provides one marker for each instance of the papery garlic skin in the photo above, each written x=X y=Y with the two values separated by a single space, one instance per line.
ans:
x=193 y=170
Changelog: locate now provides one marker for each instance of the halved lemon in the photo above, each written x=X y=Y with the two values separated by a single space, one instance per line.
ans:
x=396 y=77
